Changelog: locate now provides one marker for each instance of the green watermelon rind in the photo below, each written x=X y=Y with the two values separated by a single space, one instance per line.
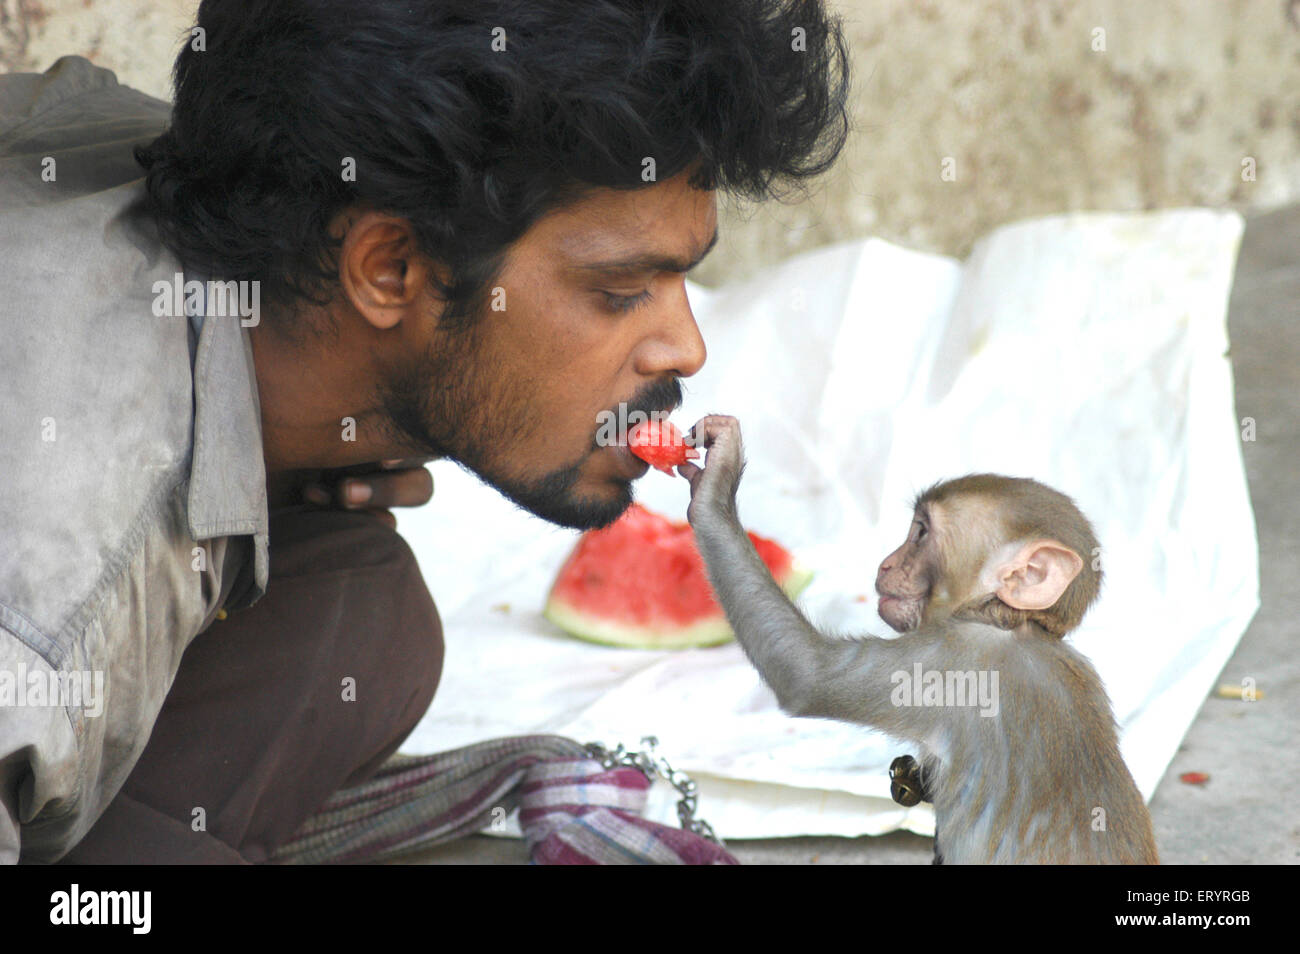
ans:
x=710 y=632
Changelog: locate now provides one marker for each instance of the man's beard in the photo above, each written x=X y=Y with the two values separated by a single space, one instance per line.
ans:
x=449 y=404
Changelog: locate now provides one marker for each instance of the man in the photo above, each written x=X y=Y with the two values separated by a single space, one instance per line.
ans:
x=387 y=233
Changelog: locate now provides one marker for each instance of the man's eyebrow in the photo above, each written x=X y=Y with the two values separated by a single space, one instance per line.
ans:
x=649 y=263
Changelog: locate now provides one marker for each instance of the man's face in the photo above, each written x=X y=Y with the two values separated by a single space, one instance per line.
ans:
x=592 y=314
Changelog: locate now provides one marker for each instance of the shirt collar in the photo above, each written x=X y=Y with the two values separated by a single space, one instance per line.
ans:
x=227 y=492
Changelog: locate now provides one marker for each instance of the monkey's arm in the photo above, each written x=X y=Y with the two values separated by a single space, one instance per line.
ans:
x=812 y=674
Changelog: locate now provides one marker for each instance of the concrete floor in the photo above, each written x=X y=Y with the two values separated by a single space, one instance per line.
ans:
x=1245 y=814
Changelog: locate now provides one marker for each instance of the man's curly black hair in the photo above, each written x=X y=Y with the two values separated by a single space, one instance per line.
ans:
x=469 y=143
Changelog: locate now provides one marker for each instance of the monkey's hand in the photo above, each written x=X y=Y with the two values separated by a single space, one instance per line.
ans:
x=905 y=782
x=714 y=486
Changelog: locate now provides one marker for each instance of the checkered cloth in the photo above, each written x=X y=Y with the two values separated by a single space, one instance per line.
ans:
x=572 y=809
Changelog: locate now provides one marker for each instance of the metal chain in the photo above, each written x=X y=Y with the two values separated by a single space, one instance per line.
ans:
x=653 y=765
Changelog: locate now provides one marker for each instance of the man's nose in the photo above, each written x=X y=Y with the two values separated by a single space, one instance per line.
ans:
x=677 y=346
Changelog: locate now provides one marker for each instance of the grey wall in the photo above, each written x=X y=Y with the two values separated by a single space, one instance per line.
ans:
x=1035 y=120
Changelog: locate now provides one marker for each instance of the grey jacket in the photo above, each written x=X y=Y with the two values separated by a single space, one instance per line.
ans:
x=134 y=494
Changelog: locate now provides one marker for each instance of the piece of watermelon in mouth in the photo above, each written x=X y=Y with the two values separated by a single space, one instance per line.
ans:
x=661 y=445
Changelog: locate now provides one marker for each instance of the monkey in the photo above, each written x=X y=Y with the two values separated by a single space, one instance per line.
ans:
x=990 y=579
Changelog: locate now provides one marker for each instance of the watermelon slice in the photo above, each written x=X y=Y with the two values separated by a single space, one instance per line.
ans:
x=660 y=445
x=641 y=583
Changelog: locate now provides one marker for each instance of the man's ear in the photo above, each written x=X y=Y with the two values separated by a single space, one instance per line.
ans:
x=1036 y=576
x=381 y=269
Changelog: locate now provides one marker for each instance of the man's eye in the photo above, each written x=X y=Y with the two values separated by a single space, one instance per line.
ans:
x=626 y=302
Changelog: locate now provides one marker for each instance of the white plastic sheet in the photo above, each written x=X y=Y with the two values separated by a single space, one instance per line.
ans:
x=1087 y=351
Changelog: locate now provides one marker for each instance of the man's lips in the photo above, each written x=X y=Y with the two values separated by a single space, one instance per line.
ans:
x=631 y=465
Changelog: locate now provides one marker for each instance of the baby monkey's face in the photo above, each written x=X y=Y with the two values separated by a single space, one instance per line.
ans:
x=906 y=577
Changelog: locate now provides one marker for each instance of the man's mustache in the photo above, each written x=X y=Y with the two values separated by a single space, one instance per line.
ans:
x=663 y=397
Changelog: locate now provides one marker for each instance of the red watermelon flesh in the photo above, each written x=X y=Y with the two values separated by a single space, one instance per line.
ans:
x=641 y=583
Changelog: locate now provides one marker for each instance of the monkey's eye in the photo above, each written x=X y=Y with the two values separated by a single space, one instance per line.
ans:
x=920 y=531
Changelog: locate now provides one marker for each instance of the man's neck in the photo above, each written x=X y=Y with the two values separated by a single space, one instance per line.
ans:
x=316 y=410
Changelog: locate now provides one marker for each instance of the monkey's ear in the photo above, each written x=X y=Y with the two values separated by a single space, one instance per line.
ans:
x=1037 y=575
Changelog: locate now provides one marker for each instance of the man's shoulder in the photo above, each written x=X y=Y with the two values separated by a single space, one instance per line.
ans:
x=103 y=429
x=28 y=96
x=71 y=131
x=96 y=394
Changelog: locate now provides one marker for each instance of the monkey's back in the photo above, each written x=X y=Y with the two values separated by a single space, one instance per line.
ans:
x=1042 y=781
